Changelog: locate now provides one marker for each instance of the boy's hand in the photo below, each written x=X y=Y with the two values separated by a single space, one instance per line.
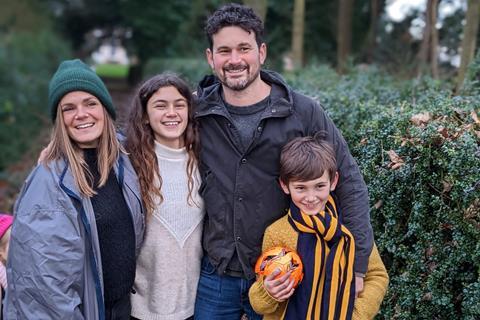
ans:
x=358 y=285
x=280 y=289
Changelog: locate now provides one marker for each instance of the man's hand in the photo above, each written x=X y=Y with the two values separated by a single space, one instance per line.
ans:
x=280 y=289
x=358 y=285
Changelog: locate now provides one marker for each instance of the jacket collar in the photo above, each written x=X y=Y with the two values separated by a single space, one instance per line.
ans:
x=67 y=182
x=210 y=102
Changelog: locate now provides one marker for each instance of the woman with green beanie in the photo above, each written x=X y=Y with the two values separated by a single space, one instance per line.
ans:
x=79 y=219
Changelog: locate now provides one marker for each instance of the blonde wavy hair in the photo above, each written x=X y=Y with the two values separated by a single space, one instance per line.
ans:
x=63 y=147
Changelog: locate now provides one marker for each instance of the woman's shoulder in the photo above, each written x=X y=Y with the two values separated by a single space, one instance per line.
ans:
x=42 y=187
x=42 y=174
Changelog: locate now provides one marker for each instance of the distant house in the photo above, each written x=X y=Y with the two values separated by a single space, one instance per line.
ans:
x=111 y=53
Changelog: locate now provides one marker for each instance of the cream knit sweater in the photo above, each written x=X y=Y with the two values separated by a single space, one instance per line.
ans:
x=168 y=266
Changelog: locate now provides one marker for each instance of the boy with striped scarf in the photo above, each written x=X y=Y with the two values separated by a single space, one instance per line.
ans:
x=314 y=229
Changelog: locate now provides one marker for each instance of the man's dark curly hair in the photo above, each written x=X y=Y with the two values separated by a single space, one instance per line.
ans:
x=237 y=15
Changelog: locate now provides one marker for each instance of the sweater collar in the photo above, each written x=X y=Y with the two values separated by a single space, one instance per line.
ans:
x=165 y=152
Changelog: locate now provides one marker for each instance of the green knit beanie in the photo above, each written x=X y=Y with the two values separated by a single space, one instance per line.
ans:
x=74 y=75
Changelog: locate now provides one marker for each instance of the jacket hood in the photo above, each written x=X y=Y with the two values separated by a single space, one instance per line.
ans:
x=209 y=89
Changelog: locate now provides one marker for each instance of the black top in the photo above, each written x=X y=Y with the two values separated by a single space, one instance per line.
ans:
x=115 y=232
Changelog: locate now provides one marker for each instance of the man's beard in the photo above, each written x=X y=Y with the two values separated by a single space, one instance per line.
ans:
x=238 y=84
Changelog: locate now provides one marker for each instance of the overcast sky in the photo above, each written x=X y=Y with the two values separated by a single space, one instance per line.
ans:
x=398 y=9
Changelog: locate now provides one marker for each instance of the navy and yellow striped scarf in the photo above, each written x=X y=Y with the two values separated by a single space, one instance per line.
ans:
x=327 y=249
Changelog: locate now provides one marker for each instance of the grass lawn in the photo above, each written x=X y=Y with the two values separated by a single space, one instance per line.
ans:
x=110 y=70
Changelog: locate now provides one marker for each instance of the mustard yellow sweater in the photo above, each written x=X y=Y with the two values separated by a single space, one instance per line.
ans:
x=367 y=304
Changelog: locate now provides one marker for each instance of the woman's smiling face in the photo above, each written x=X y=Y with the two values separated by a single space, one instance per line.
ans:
x=84 y=118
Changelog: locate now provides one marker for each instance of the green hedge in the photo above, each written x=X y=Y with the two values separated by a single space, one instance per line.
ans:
x=27 y=61
x=190 y=69
x=418 y=149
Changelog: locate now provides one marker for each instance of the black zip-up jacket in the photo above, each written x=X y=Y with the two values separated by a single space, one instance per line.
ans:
x=240 y=188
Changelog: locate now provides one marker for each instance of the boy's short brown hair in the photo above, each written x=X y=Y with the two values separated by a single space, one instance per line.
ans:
x=307 y=158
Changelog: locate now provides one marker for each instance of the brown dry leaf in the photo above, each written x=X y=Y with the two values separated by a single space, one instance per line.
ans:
x=421 y=118
x=443 y=131
x=473 y=211
x=427 y=296
x=432 y=266
x=394 y=157
x=475 y=117
x=446 y=226
x=456 y=135
x=396 y=166
x=447 y=186
x=396 y=161
x=429 y=252
x=378 y=205
x=364 y=141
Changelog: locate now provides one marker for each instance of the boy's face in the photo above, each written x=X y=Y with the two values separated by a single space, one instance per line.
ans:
x=312 y=195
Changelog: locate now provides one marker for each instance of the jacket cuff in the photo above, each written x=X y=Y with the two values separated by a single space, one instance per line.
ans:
x=361 y=264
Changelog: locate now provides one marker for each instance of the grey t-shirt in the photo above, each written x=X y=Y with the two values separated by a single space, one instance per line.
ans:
x=246 y=119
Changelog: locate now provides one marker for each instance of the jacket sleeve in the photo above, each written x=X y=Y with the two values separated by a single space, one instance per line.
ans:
x=368 y=302
x=351 y=189
x=46 y=257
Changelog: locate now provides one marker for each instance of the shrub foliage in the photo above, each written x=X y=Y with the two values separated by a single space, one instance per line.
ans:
x=190 y=69
x=418 y=149
x=27 y=61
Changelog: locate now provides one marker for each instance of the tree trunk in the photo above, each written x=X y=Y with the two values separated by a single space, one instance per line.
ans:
x=469 y=41
x=423 y=55
x=298 y=33
x=344 y=33
x=259 y=6
x=427 y=55
x=434 y=39
x=372 y=31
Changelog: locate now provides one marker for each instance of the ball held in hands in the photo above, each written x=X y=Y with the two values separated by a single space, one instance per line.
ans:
x=281 y=258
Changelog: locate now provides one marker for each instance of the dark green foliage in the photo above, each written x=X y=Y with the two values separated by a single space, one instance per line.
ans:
x=190 y=69
x=426 y=201
x=167 y=28
x=27 y=61
x=79 y=17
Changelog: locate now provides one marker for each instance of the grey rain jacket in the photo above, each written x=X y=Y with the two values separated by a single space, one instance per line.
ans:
x=54 y=266
x=241 y=190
